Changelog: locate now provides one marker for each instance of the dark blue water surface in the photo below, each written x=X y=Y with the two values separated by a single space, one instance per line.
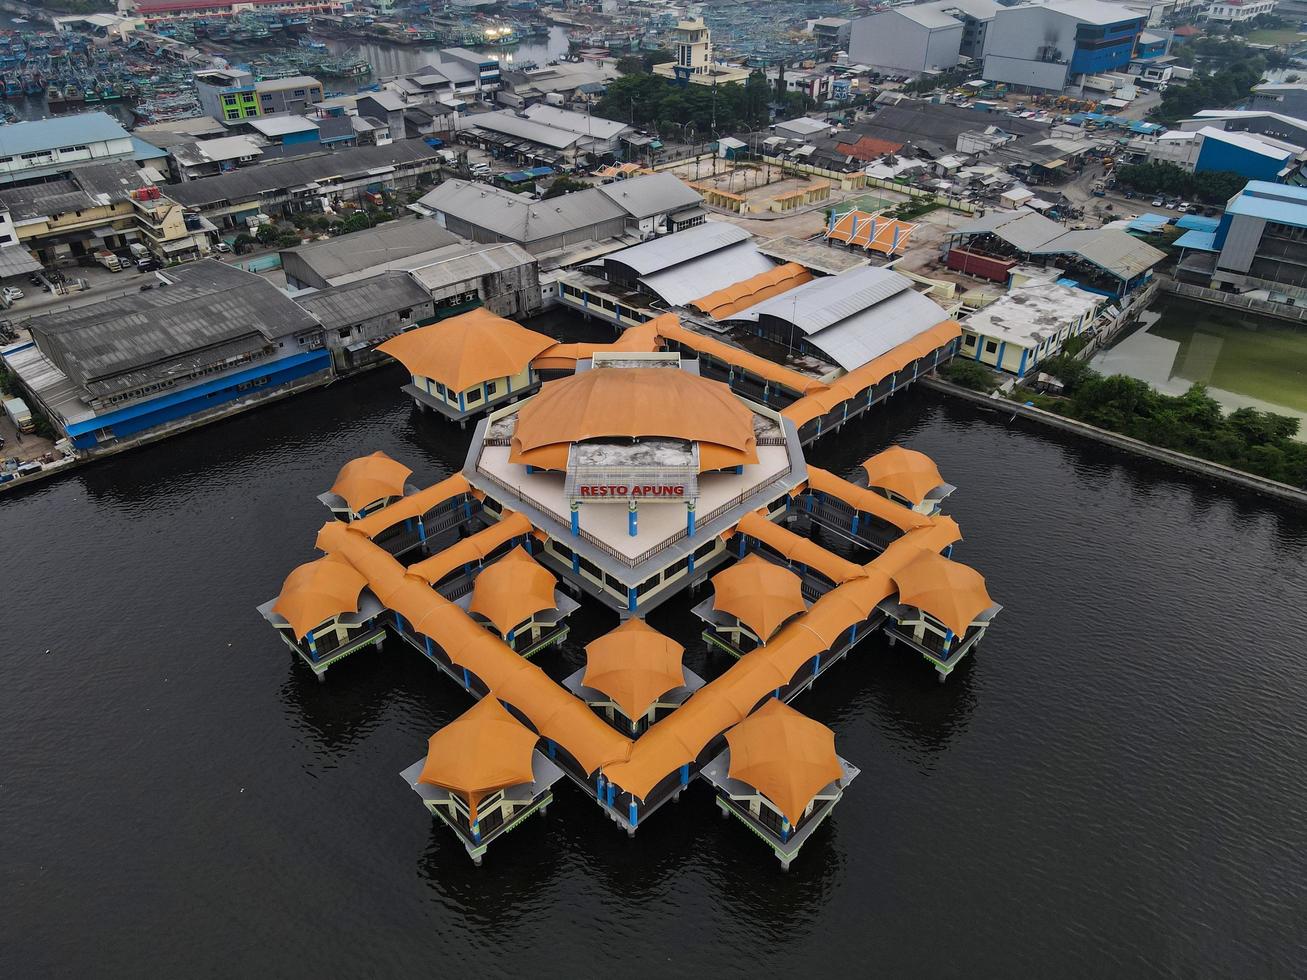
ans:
x=1113 y=786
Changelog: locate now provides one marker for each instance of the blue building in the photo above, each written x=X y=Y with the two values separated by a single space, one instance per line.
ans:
x=1261 y=242
x=1052 y=47
x=209 y=340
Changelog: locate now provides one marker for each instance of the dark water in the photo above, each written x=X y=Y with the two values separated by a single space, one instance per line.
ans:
x=389 y=60
x=1113 y=787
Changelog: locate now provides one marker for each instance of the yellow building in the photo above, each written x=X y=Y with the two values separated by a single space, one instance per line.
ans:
x=1027 y=325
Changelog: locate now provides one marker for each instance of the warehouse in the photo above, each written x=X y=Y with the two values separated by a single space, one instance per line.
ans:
x=211 y=340
x=357 y=316
x=393 y=246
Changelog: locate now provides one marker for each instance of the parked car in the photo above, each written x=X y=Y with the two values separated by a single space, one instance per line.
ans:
x=1157 y=202
x=1184 y=207
x=12 y=293
x=222 y=247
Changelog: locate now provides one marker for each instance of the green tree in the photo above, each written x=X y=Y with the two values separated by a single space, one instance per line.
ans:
x=563 y=184
x=969 y=374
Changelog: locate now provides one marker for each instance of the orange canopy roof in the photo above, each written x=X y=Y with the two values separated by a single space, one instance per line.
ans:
x=553 y=711
x=634 y=664
x=412 y=505
x=953 y=593
x=760 y=594
x=468 y=349
x=512 y=590
x=905 y=472
x=473 y=548
x=635 y=402
x=797 y=548
x=368 y=479
x=784 y=755
x=483 y=750
x=639 y=339
x=903 y=518
x=671 y=329
x=729 y=301
x=875 y=232
x=318 y=590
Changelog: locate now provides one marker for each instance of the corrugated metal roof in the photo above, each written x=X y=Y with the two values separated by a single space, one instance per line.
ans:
x=471 y=263
x=878 y=329
x=510 y=124
x=1114 y=251
x=519 y=218
x=46 y=134
x=818 y=305
x=392 y=242
x=580 y=123
x=650 y=194
x=663 y=253
x=17 y=261
x=209 y=311
x=340 y=306
x=686 y=281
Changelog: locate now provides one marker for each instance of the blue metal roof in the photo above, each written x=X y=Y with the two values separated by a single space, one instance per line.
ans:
x=1204 y=241
x=146 y=151
x=1149 y=222
x=1196 y=222
x=46 y=134
x=1283 y=203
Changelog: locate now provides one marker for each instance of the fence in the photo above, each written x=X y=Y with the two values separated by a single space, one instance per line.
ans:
x=1281 y=311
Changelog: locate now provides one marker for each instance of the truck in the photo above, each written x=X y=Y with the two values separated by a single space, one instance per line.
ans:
x=20 y=415
x=138 y=251
x=108 y=260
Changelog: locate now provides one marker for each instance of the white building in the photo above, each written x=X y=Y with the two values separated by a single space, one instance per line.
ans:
x=43 y=148
x=1027 y=325
x=1238 y=11
x=909 y=39
x=1054 y=46
x=694 y=60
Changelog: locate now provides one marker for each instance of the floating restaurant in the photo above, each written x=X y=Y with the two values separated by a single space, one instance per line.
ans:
x=628 y=474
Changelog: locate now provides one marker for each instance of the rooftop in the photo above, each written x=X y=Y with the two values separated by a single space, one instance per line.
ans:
x=46 y=134
x=1029 y=314
x=215 y=151
x=282 y=125
x=1283 y=203
x=205 y=309
x=928 y=16
x=518 y=218
x=580 y=123
x=280 y=84
x=651 y=194
x=340 y=306
x=387 y=245
x=506 y=121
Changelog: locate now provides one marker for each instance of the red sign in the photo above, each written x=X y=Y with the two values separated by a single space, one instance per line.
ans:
x=620 y=490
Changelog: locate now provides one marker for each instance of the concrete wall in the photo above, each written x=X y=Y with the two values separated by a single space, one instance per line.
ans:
x=891 y=40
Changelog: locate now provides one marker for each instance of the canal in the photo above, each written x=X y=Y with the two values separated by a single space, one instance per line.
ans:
x=1113 y=786
x=388 y=60
x=1245 y=360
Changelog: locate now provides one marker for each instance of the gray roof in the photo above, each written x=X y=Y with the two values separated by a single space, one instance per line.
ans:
x=45 y=134
x=510 y=124
x=1028 y=231
x=1095 y=11
x=16 y=261
x=208 y=313
x=650 y=194
x=670 y=250
x=391 y=242
x=95 y=185
x=928 y=16
x=270 y=177
x=282 y=125
x=463 y=262
x=518 y=218
x=340 y=306
x=215 y=151
x=688 y=281
x=805 y=125
x=279 y=84
x=979 y=9
x=854 y=317
x=580 y=123
x=390 y=101
x=934 y=127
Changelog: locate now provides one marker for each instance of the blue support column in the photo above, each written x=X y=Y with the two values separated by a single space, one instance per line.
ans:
x=430 y=652
x=599 y=787
x=633 y=814
x=422 y=531
x=854 y=528
x=399 y=622
x=632 y=519
x=1002 y=349
x=685 y=774
x=743 y=538
x=816 y=665
x=689 y=563
x=785 y=830
x=467 y=681
x=1021 y=371
x=476 y=831
x=551 y=748
x=576 y=520
x=630 y=598
x=576 y=563
x=612 y=793
x=689 y=518
x=948 y=552
x=313 y=648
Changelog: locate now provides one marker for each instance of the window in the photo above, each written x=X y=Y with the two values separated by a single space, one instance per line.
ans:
x=561 y=550
x=492 y=389
x=969 y=340
x=704 y=550
x=991 y=347
x=232 y=114
x=440 y=389
x=405 y=314
x=615 y=585
x=6 y=239
x=590 y=568
x=472 y=396
x=6 y=159
x=299 y=93
x=343 y=333
x=229 y=100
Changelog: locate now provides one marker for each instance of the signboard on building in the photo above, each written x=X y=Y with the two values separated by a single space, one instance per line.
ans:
x=621 y=491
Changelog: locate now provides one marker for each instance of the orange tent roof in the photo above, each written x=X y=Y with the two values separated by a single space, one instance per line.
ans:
x=755 y=365
x=635 y=402
x=553 y=711
x=318 y=590
x=953 y=593
x=483 y=750
x=473 y=548
x=512 y=590
x=867 y=501
x=760 y=594
x=906 y=472
x=784 y=755
x=857 y=227
x=800 y=549
x=639 y=339
x=412 y=505
x=634 y=664
x=729 y=301
x=468 y=349
x=370 y=478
